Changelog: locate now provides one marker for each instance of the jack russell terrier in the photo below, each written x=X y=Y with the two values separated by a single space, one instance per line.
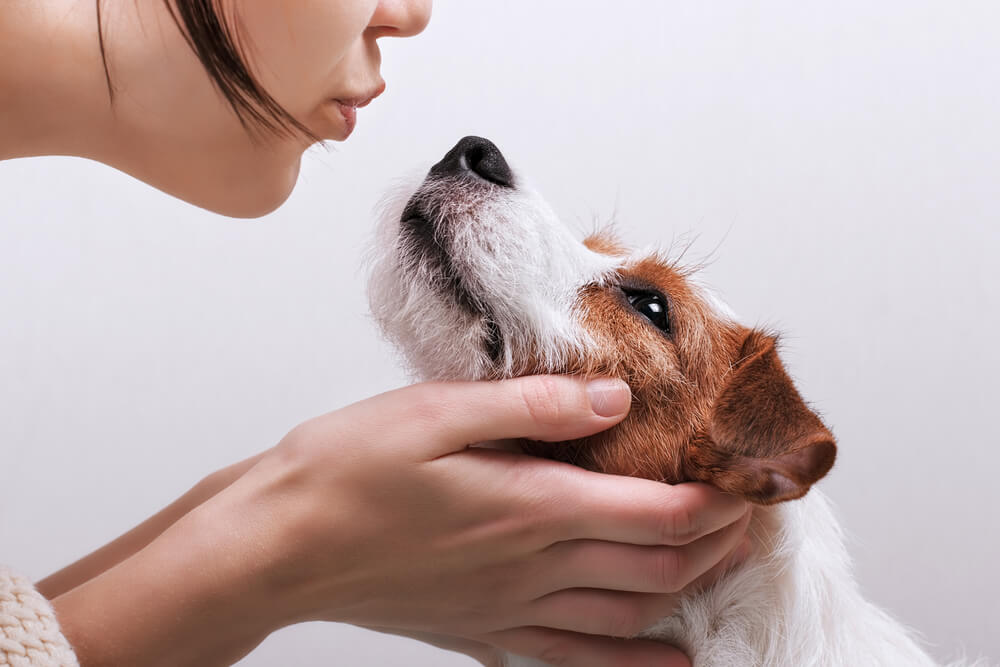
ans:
x=474 y=277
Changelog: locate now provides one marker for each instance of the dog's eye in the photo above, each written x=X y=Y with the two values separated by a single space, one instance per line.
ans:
x=651 y=306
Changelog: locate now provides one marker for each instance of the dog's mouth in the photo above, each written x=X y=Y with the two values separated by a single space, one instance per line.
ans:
x=424 y=246
x=436 y=219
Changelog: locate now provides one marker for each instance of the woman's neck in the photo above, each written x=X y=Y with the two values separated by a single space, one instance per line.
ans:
x=53 y=95
x=168 y=124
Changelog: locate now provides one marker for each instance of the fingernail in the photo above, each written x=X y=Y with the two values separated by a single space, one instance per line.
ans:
x=608 y=397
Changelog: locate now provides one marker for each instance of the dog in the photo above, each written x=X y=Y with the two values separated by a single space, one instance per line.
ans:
x=474 y=277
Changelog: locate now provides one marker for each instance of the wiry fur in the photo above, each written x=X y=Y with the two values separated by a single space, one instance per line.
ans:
x=502 y=257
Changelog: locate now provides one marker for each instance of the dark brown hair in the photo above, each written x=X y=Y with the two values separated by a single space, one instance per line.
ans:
x=216 y=43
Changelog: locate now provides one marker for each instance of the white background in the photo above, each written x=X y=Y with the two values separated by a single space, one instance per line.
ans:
x=842 y=161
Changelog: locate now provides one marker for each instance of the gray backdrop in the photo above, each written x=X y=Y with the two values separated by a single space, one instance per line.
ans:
x=840 y=159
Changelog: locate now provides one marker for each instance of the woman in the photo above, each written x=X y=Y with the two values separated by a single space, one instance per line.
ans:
x=467 y=549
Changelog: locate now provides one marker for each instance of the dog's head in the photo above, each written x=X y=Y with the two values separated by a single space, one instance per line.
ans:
x=475 y=278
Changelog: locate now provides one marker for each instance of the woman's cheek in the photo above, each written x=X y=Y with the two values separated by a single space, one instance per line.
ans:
x=295 y=47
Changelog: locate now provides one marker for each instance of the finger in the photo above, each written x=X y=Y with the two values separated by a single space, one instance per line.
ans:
x=588 y=505
x=558 y=647
x=597 y=612
x=453 y=415
x=735 y=558
x=642 y=569
x=512 y=445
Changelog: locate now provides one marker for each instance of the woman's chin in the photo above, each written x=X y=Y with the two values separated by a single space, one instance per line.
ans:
x=250 y=195
x=239 y=179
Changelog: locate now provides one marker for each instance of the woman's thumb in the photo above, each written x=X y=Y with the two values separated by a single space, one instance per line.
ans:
x=454 y=415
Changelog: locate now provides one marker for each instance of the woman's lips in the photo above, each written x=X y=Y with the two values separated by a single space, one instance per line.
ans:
x=348 y=106
x=349 y=113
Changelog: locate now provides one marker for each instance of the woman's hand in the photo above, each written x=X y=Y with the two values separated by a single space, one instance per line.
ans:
x=381 y=515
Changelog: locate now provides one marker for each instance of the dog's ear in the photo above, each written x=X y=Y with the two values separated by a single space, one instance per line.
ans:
x=762 y=441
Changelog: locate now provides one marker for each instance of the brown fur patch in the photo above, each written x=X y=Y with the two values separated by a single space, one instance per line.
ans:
x=712 y=401
x=606 y=244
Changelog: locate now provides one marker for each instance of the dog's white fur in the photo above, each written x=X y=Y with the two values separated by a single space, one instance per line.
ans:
x=515 y=256
x=794 y=602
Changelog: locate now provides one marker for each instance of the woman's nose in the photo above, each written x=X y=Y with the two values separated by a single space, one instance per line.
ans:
x=400 y=18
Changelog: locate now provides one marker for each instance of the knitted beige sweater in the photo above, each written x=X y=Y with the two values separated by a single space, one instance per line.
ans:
x=29 y=632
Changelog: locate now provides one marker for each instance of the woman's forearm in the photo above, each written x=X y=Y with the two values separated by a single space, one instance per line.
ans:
x=139 y=537
x=183 y=599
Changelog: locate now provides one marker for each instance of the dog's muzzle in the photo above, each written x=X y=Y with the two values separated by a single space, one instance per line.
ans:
x=472 y=164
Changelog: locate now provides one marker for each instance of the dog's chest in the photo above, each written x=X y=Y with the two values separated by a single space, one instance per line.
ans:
x=793 y=603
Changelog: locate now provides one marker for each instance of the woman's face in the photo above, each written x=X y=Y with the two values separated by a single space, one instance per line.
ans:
x=318 y=59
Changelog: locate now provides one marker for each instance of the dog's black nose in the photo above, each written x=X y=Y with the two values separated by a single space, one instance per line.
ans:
x=479 y=156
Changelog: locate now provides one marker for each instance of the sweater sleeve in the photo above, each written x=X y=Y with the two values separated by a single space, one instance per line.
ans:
x=29 y=632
